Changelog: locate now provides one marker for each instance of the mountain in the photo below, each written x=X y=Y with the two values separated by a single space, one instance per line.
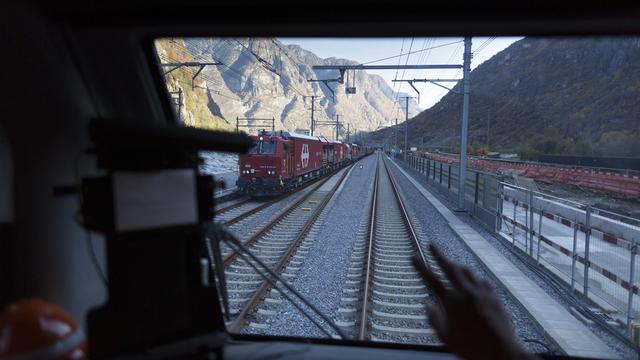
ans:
x=545 y=95
x=263 y=78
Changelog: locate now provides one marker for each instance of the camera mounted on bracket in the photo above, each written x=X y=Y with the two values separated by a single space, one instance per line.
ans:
x=154 y=208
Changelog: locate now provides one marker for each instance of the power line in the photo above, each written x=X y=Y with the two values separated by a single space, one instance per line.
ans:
x=484 y=45
x=186 y=53
x=480 y=48
x=406 y=63
x=288 y=82
x=409 y=53
x=210 y=91
x=284 y=51
x=399 y=59
x=206 y=78
x=403 y=72
x=263 y=62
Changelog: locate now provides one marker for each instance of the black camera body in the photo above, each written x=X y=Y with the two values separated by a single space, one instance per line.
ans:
x=154 y=209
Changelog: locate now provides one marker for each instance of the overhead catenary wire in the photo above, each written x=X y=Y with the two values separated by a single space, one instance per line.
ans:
x=207 y=79
x=478 y=50
x=234 y=73
x=405 y=64
x=211 y=91
x=397 y=97
x=287 y=81
x=187 y=53
x=396 y=75
x=454 y=53
x=197 y=57
x=286 y=53
x=425 y=51
x=484 y=45
x=394 y=93
x=409 y=53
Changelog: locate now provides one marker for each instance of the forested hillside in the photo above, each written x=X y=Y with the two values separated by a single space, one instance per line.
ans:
x=553 y=96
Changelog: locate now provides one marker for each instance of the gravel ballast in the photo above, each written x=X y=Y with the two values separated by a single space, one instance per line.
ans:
x=323 y=271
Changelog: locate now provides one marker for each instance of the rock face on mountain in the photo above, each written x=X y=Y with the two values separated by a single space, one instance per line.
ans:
x=545 y=95
x=263 y=78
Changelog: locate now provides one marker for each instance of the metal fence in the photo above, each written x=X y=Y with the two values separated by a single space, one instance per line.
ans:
x=480 y=187
x=592 y=250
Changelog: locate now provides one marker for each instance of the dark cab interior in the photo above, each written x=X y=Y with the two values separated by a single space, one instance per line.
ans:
x=67 y=65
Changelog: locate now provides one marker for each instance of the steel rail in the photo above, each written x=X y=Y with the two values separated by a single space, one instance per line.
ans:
x=364 y=317
x=228 y=260
x=233 y=206
x=269 y=203
x=257 y=296
x=372 y=213
x=405 y=215
x=258 y=208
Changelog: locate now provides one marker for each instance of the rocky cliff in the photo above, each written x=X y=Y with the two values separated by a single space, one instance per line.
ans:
x=263 y=78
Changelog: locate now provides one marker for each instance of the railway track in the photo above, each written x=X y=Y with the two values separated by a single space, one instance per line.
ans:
x=281 y=245
x=244 y=208
x=384 y=297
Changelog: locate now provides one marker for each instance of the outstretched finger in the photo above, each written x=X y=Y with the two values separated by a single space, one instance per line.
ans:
x=432 y=280
x=437 y=320
x=469 y=277
x=453 y=271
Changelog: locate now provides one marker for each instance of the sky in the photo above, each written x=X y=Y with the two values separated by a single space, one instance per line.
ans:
x=443 y=51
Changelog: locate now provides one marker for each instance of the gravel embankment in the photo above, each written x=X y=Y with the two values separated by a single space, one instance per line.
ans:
x=436 y=228
x=323 y=272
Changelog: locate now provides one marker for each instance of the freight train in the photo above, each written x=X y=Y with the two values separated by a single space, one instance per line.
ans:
x=280 y=161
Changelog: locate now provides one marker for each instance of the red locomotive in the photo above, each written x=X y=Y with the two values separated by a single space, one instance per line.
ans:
x=281 y=161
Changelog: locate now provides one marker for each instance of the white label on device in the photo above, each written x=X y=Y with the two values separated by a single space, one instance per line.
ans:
x=154 y=199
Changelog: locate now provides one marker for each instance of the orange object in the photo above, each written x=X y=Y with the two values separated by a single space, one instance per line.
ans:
x=31 y=328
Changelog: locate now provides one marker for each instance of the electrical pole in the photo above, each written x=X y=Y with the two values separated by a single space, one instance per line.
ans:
x=313 y=110
x=488 y=131
x=406 y=125
x=466 y=67
x=396 y=144
x=337 y=125
x=348 y=133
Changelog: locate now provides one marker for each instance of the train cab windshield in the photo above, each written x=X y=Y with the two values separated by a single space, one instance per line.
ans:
x=265 y=147
x=540 y=202
x=293 y=179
